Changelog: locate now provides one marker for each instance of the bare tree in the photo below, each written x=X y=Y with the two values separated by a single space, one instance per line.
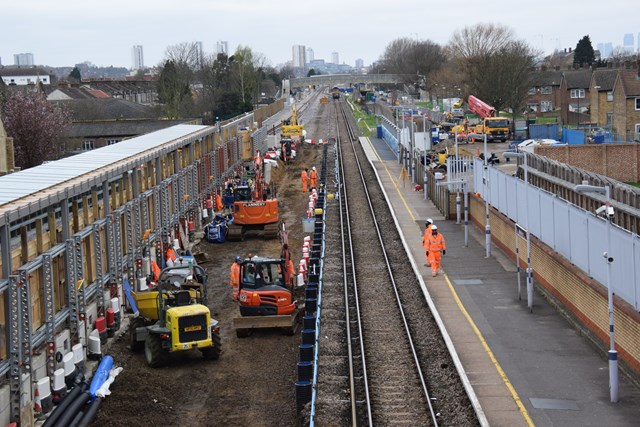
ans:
x=496 y=65
x=479 y=41
x=411 y=57
x=185 y=55
x=620 y=55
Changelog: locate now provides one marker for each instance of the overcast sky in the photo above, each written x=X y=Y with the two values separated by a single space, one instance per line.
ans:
x=67 y=32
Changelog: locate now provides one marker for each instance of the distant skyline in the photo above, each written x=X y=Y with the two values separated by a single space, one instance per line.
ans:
x=71 y=32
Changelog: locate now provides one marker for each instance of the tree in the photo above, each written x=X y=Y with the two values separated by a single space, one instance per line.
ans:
x=496 y=66
x=186 y=56
x=478 y=41
x=312 y=72
x=219 y=97
x=247 y=73
x=173 y=90
x=584 y=53
x=74 y=75
x=35 y=126
x=405 y=56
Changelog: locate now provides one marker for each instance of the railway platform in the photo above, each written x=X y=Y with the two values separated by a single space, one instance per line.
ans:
x=526 y=368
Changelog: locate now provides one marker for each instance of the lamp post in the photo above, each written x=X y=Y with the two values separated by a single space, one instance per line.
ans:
x=613 y=354
x=523 y=156
x=487 y=228
x=424 y=154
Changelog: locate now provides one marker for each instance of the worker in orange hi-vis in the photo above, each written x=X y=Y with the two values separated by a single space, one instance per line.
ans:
x=305 y=179
x=291 y=272
x=437 y=246
x=234 y=278
x=156 y=271
x=170 y=255
x=425 y=237
x=313 y=177
x=219 y=204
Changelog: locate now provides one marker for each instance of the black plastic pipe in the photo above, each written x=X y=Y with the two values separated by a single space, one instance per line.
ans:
x=62 y=406
x=90 y=413
x=73 y=409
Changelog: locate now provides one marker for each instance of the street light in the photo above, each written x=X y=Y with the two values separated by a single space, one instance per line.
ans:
x=487 y=228
x=523 y=156
x=613 y=354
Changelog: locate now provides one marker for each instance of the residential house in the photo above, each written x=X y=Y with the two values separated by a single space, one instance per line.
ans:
x=25 y=76
x=142 y=91
x=544 y=95
x=601 y=90
x=575 y=97
x=66 y=92
x=626 y=104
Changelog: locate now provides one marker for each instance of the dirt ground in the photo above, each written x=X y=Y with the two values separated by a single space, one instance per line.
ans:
x=252 y=383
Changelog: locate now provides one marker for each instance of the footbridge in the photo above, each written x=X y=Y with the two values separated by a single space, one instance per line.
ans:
x=338 y=79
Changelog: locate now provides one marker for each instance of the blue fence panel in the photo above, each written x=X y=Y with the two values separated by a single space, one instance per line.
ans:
x=544 y=131
x=573 y=137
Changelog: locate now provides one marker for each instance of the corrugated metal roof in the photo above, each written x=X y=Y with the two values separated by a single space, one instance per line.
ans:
x=28 y=182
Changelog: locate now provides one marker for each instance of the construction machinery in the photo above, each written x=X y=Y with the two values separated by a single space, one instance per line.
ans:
x=171 y=315
x=291 y=128
x=255 y=209
x=495 y=128
x=266 y=293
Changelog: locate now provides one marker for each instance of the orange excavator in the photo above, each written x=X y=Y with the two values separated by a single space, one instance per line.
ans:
x=266 y=294
x=254 y=208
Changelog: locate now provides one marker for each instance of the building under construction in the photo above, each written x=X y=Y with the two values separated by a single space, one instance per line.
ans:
x=72 y=230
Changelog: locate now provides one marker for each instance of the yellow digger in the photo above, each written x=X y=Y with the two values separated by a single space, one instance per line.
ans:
x=172 y=315
x=291 y=128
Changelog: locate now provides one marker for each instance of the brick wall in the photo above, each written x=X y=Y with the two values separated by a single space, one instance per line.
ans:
x=617 y=161
x=582 y=299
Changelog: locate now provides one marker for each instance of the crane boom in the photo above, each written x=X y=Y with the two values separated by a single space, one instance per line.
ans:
x=481 y=108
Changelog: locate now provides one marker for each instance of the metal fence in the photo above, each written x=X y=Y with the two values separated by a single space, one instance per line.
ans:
x=578 y=235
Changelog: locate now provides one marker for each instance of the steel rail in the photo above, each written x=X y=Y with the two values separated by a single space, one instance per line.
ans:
x=352 y=140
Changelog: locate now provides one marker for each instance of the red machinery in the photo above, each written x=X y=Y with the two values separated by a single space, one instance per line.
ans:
x=495 y=128
x=480 y=108
x=254 y=208
x=266 y=292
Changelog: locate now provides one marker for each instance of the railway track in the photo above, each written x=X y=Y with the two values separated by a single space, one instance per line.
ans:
x=394 y=367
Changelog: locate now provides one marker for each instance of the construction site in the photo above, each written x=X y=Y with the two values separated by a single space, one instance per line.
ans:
x=83 y=242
